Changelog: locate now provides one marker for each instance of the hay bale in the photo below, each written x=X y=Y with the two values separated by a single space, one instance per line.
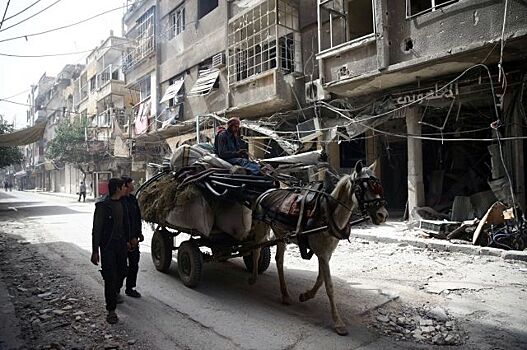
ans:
x=161 y=196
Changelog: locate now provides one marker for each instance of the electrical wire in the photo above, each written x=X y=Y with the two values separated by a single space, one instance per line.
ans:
x=28 y=18
x=65 y=26
x=22 y=11
x=5 y=13
x=15 y=95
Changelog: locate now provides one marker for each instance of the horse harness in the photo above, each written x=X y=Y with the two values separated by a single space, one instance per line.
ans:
x=307 y=202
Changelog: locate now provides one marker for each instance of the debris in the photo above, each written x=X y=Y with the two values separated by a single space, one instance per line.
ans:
x=494 y=216
x=438 y=313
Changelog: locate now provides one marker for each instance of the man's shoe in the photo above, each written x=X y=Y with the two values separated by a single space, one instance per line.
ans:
x=133 y=293
x=112 y=318
x=119 y=299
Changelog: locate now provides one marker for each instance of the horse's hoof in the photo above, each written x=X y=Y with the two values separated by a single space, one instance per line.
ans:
x=286 y=300
x=341 y=330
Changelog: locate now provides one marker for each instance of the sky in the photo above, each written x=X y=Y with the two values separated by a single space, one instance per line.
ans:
x=18 y=74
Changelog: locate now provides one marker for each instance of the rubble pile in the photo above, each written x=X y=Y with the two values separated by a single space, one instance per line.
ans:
x=53 y=313
x=427 y=325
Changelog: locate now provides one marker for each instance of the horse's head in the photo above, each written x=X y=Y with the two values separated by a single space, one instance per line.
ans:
x=369 y=192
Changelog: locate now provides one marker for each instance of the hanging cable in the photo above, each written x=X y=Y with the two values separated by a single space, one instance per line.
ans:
x=5 y=13
x=23 y=10
x=33 y=15
x=65 y=26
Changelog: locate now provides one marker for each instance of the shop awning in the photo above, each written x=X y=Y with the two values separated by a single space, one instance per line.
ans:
x=205 y=83
x=23 y=137
x=21 y=173
x=172 y=90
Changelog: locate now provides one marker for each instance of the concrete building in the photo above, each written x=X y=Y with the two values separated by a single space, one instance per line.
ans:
x=359 y=78
x=101 y=99
x=410 y=58
x=34 y=153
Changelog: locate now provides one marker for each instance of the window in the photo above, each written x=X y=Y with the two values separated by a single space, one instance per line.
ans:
x=417 y=7
x=205 y=6
x=255 y=36
x=144 y=88
x=177 y=22
x=360 y=18
x=178 y=99
x=342 y=21
x=93 y=84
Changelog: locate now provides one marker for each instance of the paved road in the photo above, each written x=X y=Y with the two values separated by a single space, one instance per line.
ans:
x=224 y=312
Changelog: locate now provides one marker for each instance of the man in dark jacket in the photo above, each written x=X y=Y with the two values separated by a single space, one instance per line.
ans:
x=227 y=146
x=109 y=236
x=135 y=235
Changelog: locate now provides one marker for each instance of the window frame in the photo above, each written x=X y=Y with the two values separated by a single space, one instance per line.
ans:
x=175 y=27
x=433 y=7
x=201 y=6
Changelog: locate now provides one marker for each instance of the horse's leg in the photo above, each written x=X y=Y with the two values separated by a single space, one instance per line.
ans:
x=310 y=294
x=256 y=258
x=279 y=258
x=338 y=324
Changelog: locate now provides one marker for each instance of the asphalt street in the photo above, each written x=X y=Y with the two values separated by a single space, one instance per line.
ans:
x=484 y=296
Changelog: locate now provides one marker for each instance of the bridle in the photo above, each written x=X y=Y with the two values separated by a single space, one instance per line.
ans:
x=364 y=184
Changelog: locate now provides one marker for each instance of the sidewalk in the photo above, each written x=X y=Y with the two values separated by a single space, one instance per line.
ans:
x=398 y=232
x=62 y=194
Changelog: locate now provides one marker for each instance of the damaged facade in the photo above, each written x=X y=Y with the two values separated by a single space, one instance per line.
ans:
x=358 y=78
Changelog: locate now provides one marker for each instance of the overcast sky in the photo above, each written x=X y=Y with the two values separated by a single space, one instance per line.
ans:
x=17 y=74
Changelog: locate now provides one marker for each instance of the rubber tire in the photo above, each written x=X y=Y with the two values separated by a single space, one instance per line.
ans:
x=263 y=262
x=161 y=250
x=190 y=263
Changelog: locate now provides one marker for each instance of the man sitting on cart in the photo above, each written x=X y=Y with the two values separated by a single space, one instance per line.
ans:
x=227 y=146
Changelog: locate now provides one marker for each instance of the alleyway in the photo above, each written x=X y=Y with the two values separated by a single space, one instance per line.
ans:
x=392 y=296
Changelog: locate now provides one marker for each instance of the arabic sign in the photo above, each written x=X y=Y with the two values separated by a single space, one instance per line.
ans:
x=428 y=94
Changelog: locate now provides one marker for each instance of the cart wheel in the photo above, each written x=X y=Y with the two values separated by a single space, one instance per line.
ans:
x=189 y=263
x=162 y=250
x=263 y=262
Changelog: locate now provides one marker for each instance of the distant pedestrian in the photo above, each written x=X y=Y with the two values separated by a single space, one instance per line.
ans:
x=109 y=236
x=82 y=192
x=6 y=185
x=135 y=236
x=10 y=185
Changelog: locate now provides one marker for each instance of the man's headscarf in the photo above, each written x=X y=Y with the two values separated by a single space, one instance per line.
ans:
x=233 y=121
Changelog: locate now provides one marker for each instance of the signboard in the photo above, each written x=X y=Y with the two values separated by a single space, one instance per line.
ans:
x=426 y=94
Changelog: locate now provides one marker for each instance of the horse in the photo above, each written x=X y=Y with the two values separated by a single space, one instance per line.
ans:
x=360 y=190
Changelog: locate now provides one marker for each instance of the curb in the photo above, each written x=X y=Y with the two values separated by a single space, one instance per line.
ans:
x=64 y=195
x=445 y=246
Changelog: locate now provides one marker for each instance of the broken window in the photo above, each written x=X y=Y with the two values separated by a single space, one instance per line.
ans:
x=144 y=87
x=255 y=36
x=341 y=21
x=417 y=7
x=177 y=21
x=205 y=6
x=92 y=84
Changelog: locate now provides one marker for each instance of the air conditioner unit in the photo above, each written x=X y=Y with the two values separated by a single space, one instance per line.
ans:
x=314 y=91
x=218 y=60
x=309 y=130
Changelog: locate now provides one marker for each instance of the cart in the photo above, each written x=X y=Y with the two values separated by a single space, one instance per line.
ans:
x=191 y=253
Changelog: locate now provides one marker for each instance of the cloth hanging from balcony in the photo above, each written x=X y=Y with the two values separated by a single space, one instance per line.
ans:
x=206 y=80
x=23 y=137
x=172 y=90
x=141 y=120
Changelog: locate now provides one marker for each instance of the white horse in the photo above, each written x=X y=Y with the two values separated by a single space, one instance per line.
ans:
x=359 y=190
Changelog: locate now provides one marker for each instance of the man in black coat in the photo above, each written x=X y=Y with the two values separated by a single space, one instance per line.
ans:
x=135 y=235
x=109 y=236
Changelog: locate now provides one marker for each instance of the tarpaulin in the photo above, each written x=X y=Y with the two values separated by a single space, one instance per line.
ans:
x=23 y=137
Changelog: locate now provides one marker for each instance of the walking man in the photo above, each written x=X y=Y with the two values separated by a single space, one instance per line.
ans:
x=109 y=237
x=82 y=192
x=135 y=236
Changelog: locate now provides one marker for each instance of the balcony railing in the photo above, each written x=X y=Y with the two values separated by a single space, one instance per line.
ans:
x=145 y=48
